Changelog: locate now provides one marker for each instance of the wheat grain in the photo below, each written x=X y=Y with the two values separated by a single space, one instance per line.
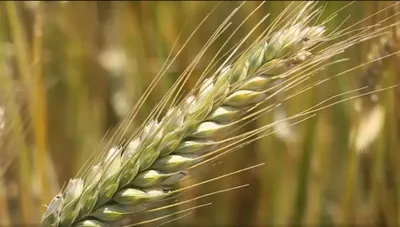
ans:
x=134 y=175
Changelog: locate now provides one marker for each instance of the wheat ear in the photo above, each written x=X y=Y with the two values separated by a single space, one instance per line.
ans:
x=165 y=148
x=134 y=175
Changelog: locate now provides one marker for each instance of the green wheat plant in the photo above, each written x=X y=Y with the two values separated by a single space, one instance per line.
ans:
x=241 y=113
x=138 y=167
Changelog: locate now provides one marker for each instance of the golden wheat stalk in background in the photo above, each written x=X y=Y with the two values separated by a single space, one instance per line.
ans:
x=137 y=169
x=369 y=125
x=368 y=107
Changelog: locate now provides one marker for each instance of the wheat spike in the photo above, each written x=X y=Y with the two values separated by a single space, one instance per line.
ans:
x=132 y=176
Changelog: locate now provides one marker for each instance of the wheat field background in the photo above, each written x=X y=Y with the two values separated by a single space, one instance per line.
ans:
x=70 y=71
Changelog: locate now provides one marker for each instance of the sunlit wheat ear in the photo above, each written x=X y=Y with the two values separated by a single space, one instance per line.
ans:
x=136 y=174
x=371 y=113
x=158 y=140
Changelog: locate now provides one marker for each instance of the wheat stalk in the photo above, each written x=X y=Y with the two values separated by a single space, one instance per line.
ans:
x=371 y=113
x=369 y=123
x=133 y=176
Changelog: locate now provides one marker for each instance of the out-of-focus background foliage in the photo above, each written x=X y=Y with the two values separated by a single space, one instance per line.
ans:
x=70 y=71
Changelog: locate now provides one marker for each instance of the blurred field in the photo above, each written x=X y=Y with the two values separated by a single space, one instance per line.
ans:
x=70 y=71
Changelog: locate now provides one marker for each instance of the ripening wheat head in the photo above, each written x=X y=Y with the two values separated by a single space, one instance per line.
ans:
x=136 y=169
